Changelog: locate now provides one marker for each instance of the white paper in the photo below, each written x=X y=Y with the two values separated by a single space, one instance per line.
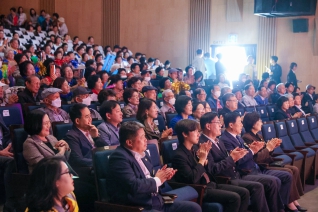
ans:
x=312 y=120
x=5 y=113
x=262 y=111
x=122 y=105
x=292 y=124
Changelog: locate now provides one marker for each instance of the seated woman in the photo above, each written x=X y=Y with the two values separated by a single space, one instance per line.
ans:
x=135 y=82
x=67 y=73
x=40 y=144
x=271 y=87
x=198 y=110
x=199 y=95
x=66 y=95
x=26 y=69
x=51 y=187
x=183 y=107
x=222 y=82
x=238 y=94
x=198 y=80
x=164 y=84
x=131 y=98
x=116 y=83
x=283 y=109
x=188 y=77
x=147 y=112
x=294 y=111
x=95 y=84
x=253 y=124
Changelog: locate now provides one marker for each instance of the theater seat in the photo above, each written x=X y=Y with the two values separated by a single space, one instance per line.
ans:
x=18 y=136
x=262 y=111
x=60 y=129
x=271 y=109
x=11 y=115
x=169 y=117
x=305 y=134
x=168 y=147
x=160 y=122
x=313 y=126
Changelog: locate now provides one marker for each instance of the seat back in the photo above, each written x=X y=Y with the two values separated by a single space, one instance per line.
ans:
x=11 y=115
x=313 y=126
x=122 y=104
x=271 y=109
x=160 y=122
x=155 y=83
x=240 y=111
x=18 y=136
x=250 y=109
x=97 y=122
x=168 y=147
x=293 y=132
x=154 y=155
x=261 y=109
x=282 y=133
x=66 y=107
x=268 y=131
x=159 y=102
x=169 y=117
x=60 y=129
x=131 y=118
x=100 y=163
x=304 y=131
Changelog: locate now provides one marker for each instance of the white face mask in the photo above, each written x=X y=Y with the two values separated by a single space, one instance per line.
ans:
x=87 y=101
x=217 y=94
x=147 y=79
x=123 y=77
x=57 y=102
x=172 y=101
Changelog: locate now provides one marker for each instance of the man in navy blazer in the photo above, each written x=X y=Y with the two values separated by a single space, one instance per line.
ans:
x=81 y=138
x=249 y=169
x=131 y=179
x=213 y=98
x=261 y=97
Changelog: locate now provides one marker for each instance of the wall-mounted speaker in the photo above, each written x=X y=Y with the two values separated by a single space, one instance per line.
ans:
x=300 y=25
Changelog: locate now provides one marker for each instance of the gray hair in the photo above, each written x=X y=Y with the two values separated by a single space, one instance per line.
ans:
x=165 y=92
x=288 y=95
x=128 y=130
x=279 y=84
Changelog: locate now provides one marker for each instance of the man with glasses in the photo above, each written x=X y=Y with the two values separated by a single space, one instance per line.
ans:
x=230 y=104
x=224 y=164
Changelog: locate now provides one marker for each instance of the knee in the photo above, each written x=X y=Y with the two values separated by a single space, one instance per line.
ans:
x=192 y=206
x=258 y=187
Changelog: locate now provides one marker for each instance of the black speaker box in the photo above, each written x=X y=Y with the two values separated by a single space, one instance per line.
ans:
x=300 y=25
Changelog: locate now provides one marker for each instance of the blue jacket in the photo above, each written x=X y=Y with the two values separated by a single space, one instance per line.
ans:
x=212 y=102
x=108 y=135
x=260 y=101
x=174 y=121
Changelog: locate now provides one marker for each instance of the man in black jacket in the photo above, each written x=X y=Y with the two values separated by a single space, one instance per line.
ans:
x=275 y=70
x=308 y=100
x=291 y=76
x=192 y=161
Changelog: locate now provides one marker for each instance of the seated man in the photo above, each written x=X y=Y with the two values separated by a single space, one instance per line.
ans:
x=150 y=92
x=224 y=164
x=191 y=161
x=31 y=93
x=230 y=103
x=261 y=97
x=213 y=99
x=280 y=91
x=135 y=182
x=111 y=113
x=106 y=95
x=52 y=100
x=81 y=138
x=248 y=98
x=249 y=168
x=297 y=105
x=308 y=100
x=173 y=75
x=168 y=102
x=81 y=95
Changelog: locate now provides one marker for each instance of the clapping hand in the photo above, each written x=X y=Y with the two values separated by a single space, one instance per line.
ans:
x=6 y=152
x=238 y=153
x=166 y=133
x=165 y=173
x=256 y=146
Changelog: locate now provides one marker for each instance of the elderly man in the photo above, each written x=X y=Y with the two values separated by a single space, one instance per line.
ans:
x=173 y=75
x=230 y=104
x=81 y=95
x=136 y=182
x=214 y=100
x=308 y=100
x=52 y=100
x=168 y=102
x=280 y=91
x=261 y=97
x=150 y=92
x=31 y=93
x=248 y=98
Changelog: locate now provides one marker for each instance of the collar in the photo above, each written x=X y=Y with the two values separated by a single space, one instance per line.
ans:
x=136 y=154
x=111 y=126
x=231 y=134
x=134 y=107
x=214 y=141
x=94 y=91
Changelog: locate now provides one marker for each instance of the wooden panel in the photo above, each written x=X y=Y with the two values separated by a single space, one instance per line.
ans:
x=199 y=27
x=48 y=6
x=158 y=28
x=26 y=4
x=82 y=17
x=111 y=23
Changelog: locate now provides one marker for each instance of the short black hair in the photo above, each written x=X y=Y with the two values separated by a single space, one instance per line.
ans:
x=275 y=58
x=181 y=103
x=128 y=93
x=260 y=87
x=23 y=67
x=195 y=105
x=281 y=101
x=88 y=72
x=250 y=120
x=13 y=9
x=58 y=82
x=56 y=15
x=185 y=126
x=292 y=65
x=265 y=75
x=199 y=51
x=246 y=87
x=114 y=79
x=226 y=97
x=162 y=82
x=187 y=68
x=212 y=87
x=197 y=75
x=34 y=121
x=133 y=80
x=89 y=62
x=104 y=94
x=128 y=130
x=91 y=81
x=133 y=66
x=272 y=83
x=287 y=84
x=207 y=118
x=196 y=92
x=107 y=107
x=158 y=69
x=76 y=111
x=230 y=118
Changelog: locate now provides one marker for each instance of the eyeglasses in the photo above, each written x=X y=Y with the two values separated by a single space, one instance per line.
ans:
x=68 y=172
x=46 y=123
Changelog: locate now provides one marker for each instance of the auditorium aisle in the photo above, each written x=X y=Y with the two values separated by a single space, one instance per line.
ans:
x=309 y=200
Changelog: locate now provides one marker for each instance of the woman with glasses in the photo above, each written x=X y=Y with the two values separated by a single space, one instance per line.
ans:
x=198 y=110
x=131 y=98
x=40 y=144
x=51 y=187
x=253 y=124
x=199 y=95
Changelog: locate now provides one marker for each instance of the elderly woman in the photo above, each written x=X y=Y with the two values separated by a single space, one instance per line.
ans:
x=95 y=84
x=283 y=109
x=199 y=95
x=164 y=84
x=292 y=110
x=26 y=69
x=147 y=112
x=131 y=98
x=66 y=95
x=40 y=144
x=198 y=110
x=51 y=187
x=253 y=124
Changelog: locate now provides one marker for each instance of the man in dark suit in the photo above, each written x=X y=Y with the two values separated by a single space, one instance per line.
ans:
x=308 y=100
x=291 y=76
x=230 y=103
x=280 y=91
x=223 y=163
x=81 y=138
x=275 y=69
x=7 y=164
x=191 y=162
x=135 y=182
x=249 y=169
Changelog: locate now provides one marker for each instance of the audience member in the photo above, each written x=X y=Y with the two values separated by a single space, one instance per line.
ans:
x=275 y=70
x=199 y=95
x=149 y=92
x=248 y=98
x=308 y=100
x=26 y=69
x=159 y=73
x=112 y=116
x=297 y=105
x=62 y=26
x=261 y=97
x=51 y=187
x=188 y=77
x=198 y=110
x=95 y=84
x=131 y=98
x=106 y=95
x=33 y=17
x=66 y=95
x=219 y=66
x=168 y=102
x=116 y=83
x=173 y=75
x=282 y=111
x=122 y=183
x=31 y=93
x=185 y=93
x=291 y=76
x=40 y=144
x=238 y=94
x=271 y=88
x=289 y=88
x=230 y=104
x=292 y=110
x=280 y=91
x=225 y=90
x=191 y=161
x=214 y=100
x=81 y=95
x=164 y=84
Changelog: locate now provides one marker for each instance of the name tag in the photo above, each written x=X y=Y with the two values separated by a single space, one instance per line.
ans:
x=174 y=146
x=5 y=113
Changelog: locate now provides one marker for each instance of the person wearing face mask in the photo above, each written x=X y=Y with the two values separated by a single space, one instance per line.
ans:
x=213 y=99
x=53 y=102
x=131 y=98
x=81 y=95
x=123 y=74
x=168 y=102
x=146 y=75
